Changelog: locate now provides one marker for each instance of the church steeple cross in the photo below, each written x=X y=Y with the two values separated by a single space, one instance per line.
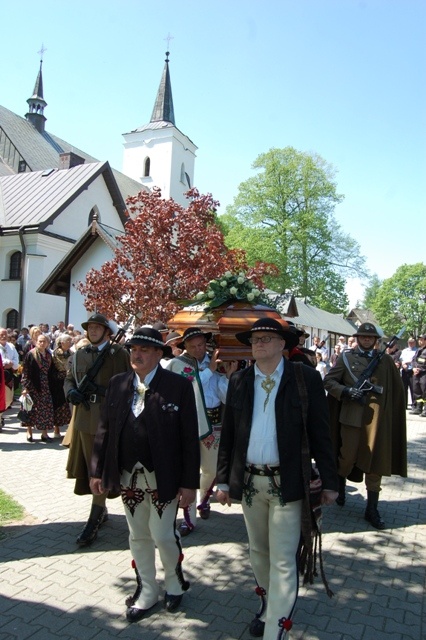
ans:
x=42 y=50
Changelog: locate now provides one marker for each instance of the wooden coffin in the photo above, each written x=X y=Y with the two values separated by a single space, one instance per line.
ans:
x=224 y=322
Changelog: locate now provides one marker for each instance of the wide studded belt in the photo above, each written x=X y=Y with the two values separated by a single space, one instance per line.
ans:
x=214 y=415
x=262 y=470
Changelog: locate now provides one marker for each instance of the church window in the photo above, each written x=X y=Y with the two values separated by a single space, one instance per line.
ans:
x=146 y=167
x=182 y=173
x=15 y=266
x=12 y=319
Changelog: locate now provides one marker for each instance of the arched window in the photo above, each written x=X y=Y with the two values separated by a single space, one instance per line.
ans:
x=146 y=167
x=15 y=266
x=182 y=173
x=12 y=319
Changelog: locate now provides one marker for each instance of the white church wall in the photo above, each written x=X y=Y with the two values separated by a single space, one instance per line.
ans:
x=95 y=257
x=74 y=220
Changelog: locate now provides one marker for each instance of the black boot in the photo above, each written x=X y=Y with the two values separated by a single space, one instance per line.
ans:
x=371 y=513
x=417 y=410
x=98 y=515
x=341 y=498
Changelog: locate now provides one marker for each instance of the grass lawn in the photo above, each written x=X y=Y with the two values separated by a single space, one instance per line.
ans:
x=10 y=510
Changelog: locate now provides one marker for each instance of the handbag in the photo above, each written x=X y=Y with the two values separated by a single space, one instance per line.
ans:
x=311 y=547
x=27 y=403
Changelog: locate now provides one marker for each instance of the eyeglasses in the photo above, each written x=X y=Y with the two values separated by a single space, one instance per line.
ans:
x=263 y=339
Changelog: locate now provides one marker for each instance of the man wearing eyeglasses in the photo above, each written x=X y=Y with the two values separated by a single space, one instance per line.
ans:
x=260 y=463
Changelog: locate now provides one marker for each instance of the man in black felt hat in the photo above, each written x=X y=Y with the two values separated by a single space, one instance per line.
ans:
x=146 y=447
x=85 y=420
x=260 y=463
x=210 y=389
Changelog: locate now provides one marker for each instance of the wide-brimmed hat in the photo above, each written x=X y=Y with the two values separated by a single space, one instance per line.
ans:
x=299 y=332
x=367 y=329
x=173 y=335
x=148 y=337
x=97 y=318
x=160 y=326
x=193 y=332
x=282 y=328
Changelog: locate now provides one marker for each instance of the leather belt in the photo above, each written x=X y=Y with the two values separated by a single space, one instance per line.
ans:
x=214 y=415
x=262 y=470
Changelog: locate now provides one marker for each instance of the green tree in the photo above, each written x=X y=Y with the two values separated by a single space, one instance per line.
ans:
x=285 y=215
x=371 y=291
x=401 y=300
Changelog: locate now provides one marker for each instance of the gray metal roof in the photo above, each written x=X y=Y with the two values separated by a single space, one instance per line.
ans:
x=37 y=197
x=163 y=107
x=41 y=150
x=58 y=281
x=310 y=316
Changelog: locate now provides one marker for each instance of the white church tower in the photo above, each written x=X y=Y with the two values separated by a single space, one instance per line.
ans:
x=158 y=154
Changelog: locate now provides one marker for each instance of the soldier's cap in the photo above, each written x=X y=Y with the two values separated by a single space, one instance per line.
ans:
x=193 y=332
x=422 y=336
x=282 y=328
x=367 y=329
x=97 y=318
x=148 y=337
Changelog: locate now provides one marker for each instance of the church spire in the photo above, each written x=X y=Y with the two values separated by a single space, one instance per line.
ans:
x=163 y=108
x=37 y=102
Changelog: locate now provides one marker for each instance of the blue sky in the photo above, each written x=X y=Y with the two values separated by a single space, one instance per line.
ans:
x=342 y=78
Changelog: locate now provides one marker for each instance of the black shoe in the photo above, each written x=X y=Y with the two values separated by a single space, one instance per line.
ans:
x=171 y=603
x=257 y=628
x=185 y=529
x=133 y=614
x=98 y=515
x=30 y=439
x=46 y=439
x=204 y=513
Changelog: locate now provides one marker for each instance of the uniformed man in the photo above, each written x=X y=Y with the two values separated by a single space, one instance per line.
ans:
x=87 y=412
x=368 y=429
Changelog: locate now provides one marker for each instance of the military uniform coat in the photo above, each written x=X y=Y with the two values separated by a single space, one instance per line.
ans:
x=383 y=445
x=117 y=361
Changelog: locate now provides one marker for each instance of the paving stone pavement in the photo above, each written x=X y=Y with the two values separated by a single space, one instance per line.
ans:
x=50 y=589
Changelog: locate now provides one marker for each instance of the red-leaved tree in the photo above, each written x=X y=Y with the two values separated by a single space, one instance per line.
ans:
x=167 y=253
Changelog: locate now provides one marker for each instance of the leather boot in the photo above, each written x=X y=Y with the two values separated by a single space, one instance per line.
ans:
x=98 y=515
x=371 y=513
x=417 y=410
x=341 y=498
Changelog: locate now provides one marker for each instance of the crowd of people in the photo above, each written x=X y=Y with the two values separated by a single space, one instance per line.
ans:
x=157 y=419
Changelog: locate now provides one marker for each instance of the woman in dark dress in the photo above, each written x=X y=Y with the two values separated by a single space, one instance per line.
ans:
x=38 y=377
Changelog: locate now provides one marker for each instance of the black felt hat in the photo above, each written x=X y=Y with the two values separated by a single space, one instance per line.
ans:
x=281 y=328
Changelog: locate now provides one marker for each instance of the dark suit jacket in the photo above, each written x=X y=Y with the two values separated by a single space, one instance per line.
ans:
x=236 y=428
x=171 y=419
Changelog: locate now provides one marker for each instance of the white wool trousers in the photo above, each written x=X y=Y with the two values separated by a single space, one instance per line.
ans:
x=152 y=524
x=273 y=530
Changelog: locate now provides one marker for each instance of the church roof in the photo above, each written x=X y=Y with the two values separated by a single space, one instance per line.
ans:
x=59 y=280
x=37 y=197
x=163 y=108
x=41 y=151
